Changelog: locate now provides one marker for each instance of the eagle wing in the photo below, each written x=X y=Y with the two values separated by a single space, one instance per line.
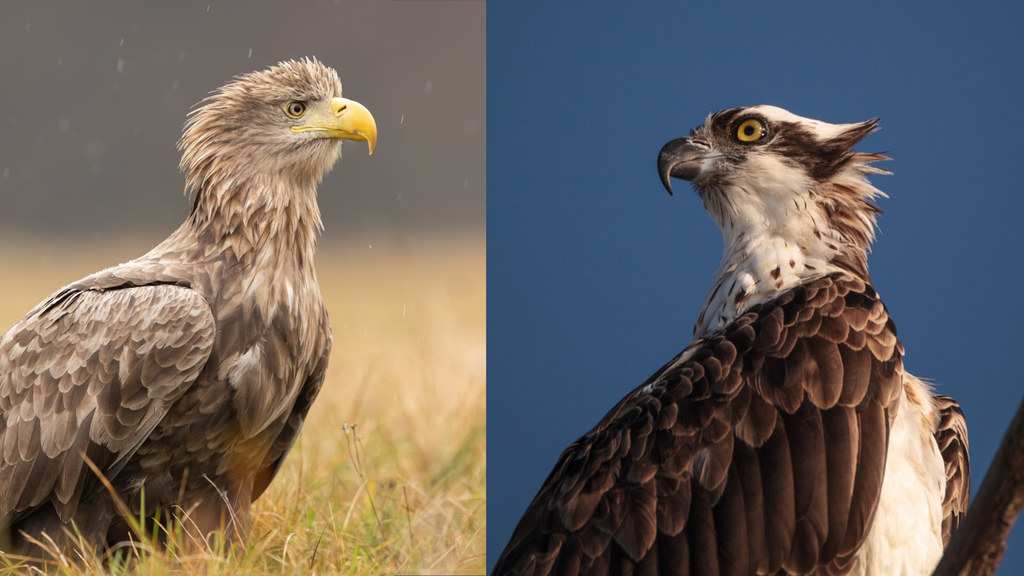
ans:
x=759 y=448
x=89 y=374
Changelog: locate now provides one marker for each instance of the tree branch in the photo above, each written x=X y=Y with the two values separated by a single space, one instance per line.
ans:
x=978 y=545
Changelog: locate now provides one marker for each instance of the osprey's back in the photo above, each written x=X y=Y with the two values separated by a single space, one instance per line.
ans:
x=787 y=439
x=185 y=375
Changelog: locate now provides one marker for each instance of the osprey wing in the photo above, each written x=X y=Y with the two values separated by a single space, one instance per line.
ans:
x=89 y=374
x=951 y=437
x=759 y=448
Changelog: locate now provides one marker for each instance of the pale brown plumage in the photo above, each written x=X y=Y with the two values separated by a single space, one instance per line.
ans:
x=771 y=444
x=187 y=373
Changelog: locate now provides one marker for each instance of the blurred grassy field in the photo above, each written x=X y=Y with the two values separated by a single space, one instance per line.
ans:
x=389 y=474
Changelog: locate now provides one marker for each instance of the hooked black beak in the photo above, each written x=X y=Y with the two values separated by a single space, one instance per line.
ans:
x=680 y=158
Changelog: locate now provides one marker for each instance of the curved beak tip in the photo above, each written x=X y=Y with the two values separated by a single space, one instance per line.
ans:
x=355 y=120
x=666 y=179
x=681 y=159
x=665 y=164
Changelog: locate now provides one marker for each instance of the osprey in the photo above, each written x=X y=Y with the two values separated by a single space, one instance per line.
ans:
x=182 y=377
x=787 y=438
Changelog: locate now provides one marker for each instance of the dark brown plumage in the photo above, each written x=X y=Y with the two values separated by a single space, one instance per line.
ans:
x=186 y=373
x=747 y=411
x=951 y=435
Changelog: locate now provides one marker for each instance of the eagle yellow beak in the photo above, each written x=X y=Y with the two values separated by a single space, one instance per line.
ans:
x=347 y=119
x=354 y=121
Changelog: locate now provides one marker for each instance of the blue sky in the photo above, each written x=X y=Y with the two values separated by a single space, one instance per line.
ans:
x=596 y=275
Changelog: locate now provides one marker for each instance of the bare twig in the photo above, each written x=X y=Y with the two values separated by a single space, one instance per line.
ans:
x=978 y=545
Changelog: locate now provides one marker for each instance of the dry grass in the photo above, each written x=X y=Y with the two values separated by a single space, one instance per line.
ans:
x=389 y=474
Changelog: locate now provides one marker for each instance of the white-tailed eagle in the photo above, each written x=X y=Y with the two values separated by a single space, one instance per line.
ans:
x=184 y=375
x=788 y=438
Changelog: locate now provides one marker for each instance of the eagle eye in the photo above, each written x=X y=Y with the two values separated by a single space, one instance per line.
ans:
x=751 y=130
x=295 y=109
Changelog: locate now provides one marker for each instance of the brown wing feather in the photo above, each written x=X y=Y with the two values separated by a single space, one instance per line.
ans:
x=90 y=373
x=951 y=435
x=759 y=448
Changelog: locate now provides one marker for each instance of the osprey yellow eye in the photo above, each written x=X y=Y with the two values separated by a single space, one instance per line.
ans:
x=295 y=109
x=750 y=130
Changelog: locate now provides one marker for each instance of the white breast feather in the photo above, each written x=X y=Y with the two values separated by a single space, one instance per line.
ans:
x=905 y=538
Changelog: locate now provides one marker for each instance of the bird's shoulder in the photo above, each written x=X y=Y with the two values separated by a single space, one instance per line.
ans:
x=735 y=424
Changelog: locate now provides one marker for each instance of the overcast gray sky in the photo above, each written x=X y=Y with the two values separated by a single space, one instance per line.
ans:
x=95 y=94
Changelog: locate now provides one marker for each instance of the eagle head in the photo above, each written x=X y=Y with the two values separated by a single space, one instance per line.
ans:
x=790 y=195
x=288 y=120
